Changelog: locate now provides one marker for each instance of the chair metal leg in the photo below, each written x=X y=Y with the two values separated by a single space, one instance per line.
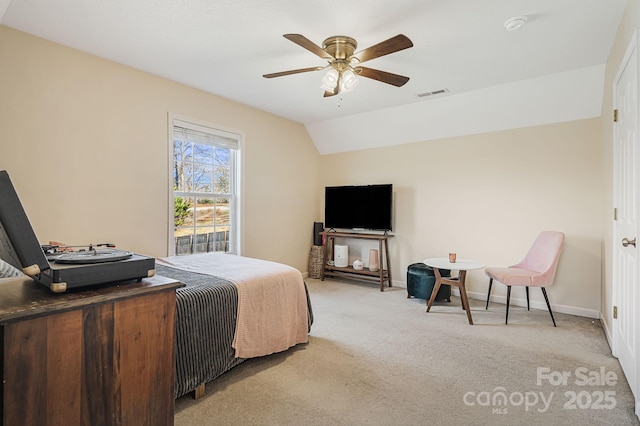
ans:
x=527 y=290
x=548 y=305
x=489 y=293
x=506 y=319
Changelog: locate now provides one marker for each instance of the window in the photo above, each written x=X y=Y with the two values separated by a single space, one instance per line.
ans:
x=204 y=188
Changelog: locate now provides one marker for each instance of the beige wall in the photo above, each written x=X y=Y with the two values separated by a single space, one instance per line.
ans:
x=629 y=23
x=488 y=196
x=85 y=143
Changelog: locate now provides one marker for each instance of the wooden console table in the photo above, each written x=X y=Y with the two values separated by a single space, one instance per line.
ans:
x=380 y=275
x=101 y=356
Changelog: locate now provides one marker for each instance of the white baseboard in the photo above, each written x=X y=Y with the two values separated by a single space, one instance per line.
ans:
x=515 y=301
x=563 y=309
x=607 y=332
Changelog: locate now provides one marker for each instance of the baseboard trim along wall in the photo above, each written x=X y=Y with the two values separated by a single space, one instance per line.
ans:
x=515 y=301
x=607 y=331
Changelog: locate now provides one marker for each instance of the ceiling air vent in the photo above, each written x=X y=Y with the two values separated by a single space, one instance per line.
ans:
x=435 y=92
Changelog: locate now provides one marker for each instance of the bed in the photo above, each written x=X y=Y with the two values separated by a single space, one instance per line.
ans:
x=232 y=308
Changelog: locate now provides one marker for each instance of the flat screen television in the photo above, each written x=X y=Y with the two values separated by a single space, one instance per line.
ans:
x=362 y=207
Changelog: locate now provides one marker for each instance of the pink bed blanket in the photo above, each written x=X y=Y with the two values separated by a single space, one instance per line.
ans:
x=272 y=303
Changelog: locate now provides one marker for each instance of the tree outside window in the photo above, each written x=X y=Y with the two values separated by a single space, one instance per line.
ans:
x=203 y=192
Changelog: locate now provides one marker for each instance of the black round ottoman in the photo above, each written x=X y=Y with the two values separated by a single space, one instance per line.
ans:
x=421 y=280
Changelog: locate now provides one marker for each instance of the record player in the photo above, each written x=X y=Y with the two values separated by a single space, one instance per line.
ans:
x=57 y=267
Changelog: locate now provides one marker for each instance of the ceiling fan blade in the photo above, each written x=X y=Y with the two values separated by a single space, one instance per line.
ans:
x=383 y=76
x=298 y=71
x=302 y=41
x=392 y=45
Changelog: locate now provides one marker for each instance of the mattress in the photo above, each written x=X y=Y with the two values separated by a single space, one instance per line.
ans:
x=206 y=318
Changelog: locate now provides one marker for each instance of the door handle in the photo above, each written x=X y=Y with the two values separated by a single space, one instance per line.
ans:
x=627 y=242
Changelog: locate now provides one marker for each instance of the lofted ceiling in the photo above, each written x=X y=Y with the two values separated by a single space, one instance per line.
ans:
x=550 y=70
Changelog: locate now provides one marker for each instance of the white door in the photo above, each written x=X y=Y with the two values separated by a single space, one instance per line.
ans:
x=626 y=200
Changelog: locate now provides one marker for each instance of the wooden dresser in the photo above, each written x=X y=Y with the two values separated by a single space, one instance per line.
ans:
x=101 y=356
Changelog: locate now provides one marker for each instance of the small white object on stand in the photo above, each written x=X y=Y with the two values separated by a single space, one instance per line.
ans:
x=341 y=256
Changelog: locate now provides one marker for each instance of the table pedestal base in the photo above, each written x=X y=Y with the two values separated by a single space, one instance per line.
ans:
x=455 y=281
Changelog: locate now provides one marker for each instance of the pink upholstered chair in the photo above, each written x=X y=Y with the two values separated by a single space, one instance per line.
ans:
x=537 y=269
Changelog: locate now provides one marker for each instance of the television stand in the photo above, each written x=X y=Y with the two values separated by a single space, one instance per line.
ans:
x=381 y=275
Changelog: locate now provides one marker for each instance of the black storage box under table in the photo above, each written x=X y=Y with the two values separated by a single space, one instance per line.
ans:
x=421 y=280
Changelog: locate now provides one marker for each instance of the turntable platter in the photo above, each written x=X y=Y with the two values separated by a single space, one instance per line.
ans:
x=92 y=256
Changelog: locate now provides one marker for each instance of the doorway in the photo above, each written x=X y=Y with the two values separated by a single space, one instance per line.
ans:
x=626 y=198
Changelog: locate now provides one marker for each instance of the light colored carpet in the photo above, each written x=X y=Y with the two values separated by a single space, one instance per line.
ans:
x=377 y=358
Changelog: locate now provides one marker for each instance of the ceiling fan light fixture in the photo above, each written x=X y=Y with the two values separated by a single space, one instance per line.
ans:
x=348 y=81
x=330 y=80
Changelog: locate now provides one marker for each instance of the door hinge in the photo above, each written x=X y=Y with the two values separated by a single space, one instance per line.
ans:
x=615 y=213
x=615 y=312
x=615 y=115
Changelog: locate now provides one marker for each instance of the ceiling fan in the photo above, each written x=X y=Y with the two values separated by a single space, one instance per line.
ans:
x=344 y=64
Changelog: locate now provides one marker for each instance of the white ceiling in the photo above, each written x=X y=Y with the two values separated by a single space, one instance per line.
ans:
x=551 y=70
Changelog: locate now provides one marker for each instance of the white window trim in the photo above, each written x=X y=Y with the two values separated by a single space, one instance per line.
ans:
x=195 y=124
